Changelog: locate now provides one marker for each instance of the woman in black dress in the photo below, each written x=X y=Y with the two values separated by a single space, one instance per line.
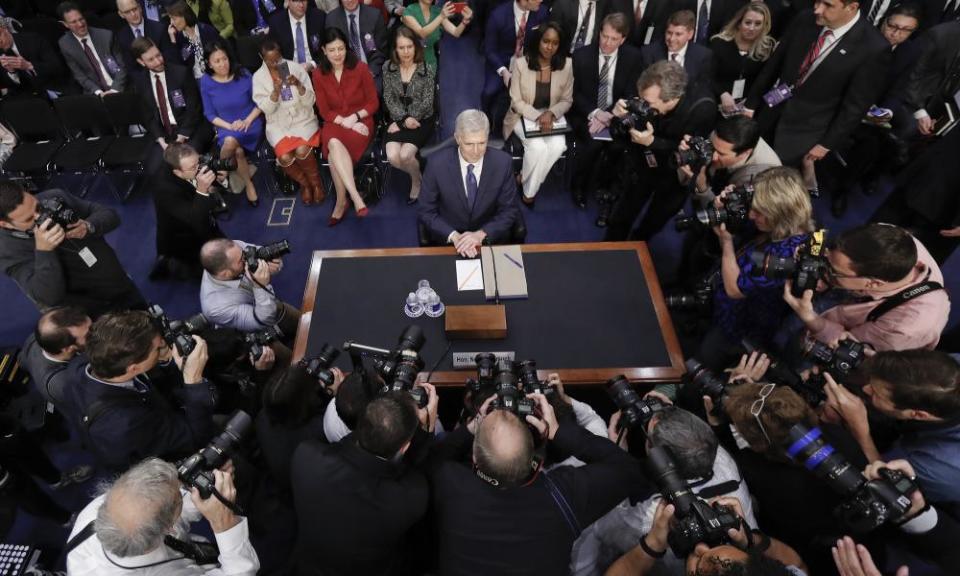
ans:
x=408 y=92
x=739 y=52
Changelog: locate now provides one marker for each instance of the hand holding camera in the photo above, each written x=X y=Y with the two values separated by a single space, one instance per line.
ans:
x=217 y=514
x=642 y=137
x=192 y=366
x=546 y=423
x=428 y=414
x=48 y=235
x=261 y=273
x=205 y=179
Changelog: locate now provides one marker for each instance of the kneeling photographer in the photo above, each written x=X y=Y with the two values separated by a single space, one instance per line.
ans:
x=655 y=123
x=748 y=305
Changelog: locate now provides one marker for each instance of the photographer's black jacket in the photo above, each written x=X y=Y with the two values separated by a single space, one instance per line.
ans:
x=695 y=114
x=184 y=222
x=488 y=530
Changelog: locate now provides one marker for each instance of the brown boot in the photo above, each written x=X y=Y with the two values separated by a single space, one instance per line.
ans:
x=312 y=172
x=295 y=172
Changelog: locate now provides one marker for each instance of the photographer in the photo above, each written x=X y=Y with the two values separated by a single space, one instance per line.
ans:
x=53 y=247
x=60 y=336
x=750 y=553
x=185 y=201
x=708 y=469
x=747 y=305
x=501 y=513
x=356 y=500
x=142 y=520
x=645 y=170
x=901 y=304
x=918 y=390
x=351 y=399
x=121 y=414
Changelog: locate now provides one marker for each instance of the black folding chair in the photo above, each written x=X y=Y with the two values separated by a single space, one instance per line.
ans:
x=128 y=153
x=248 y=52
x=89 y=134
x=40 y=137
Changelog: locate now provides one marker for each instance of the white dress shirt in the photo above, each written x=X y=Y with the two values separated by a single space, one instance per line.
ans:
x=133 y=29
x=153 y=88
x=681 y=55
x=831 y=41
x=581 y=12
x=477 y=168
x=103 y=69
x=611 y=74
x=306 y=38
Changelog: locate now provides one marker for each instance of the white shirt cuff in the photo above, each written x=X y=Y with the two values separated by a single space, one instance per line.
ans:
x=237 y=555
x=921 y=113
x=501 y=70
x=923 y=523
x=450 y=237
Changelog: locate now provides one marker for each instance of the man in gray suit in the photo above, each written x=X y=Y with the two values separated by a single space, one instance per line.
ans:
x=90 y=53
x=366 y=32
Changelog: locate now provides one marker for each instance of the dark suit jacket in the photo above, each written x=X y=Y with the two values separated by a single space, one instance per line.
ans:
x=354 y=509
x=50 y=378
x=500 y=38
x=183 y=217
x=182 y=51
x=698 y=62
x=655 y=16
x=940 y=49
x=281 y=31
x=47 y=67
x=245 y=17
x=181 y=89
x=721 y=11
x=443 y=197
x=80 y=67
x=586 y=80
x=371 y=22
x=829 y=105
x=152 y=30
x=566 y=13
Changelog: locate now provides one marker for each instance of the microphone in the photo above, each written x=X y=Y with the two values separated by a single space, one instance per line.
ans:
x=493 y=261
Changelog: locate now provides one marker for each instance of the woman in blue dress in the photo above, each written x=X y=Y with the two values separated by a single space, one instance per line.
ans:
x=227 y=92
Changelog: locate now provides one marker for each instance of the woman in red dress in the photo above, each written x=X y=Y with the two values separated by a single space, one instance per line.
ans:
x=347 y=100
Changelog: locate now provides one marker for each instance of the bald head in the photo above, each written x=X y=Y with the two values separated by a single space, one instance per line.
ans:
x=219 y=257
x=62 y=332
x=130 y=11
x=503 y=448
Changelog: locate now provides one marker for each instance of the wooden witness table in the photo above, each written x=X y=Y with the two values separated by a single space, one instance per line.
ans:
x=595 y=310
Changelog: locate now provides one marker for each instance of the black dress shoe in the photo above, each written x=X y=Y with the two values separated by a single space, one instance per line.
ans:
x=579 y=199
x=253 y=203
x=838 y=206
x=528 y=202
x=411 y=201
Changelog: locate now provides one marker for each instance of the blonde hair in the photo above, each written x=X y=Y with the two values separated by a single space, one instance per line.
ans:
x=781 y=197
x=765 y=44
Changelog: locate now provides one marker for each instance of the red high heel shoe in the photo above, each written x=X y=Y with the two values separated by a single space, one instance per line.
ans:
x=362 y=213
x=334 y=220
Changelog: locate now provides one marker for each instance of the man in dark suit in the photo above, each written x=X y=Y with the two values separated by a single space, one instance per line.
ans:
x=649 y=20
x=363 y=25
x=90 y=53
x=367 y=478
x=936 y=76
x=831 y=58
x=581 y=19
x=251 y=17
x=170 y=103
x=710 y=16
x=677 y=46
x=136 y=26
x=121 y=414
x=469 y=194
x=298 y=31
x=507 y=28
x=30 y=66
x=592 y=100
x=940 y=11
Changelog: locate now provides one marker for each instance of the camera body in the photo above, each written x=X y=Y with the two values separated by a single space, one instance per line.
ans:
x=253 y=254
x=839 y=362
x=698 y=154
x=54 y=209
x=805 y=270
x=708 y=383
x=197 y=470
x=177 y=333
x=867 y=504
x=218 y=164
x=639 y=112
x=398 y=367
x=256 y=341
x=734 y=212
x=700 y=300
x=634 y=410
x=319 y=366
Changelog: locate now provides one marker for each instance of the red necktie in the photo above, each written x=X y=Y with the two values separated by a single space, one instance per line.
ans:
x=521 y=34
x=94 y=64
x=638 y=13
x=162 y=105
x=812 y=56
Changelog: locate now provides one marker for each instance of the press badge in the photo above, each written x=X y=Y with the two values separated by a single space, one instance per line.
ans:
x=738 y=86
x=651 y=159
x=286 y=94
x=87 y=256
x=269 y=5
x=368 y=45
x=111 y=65
x=649 y=36
x=778 y=95
x=176 y=96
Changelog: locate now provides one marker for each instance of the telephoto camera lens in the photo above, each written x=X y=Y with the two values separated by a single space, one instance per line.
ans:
x=197 y=470
x=707 y=382
x=412 y=338
x=634 y=411
x=319 y=366
x=486 y=368
x=253 y=254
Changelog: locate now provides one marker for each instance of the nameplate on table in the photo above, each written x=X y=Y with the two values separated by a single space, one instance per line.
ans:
x=467 y=360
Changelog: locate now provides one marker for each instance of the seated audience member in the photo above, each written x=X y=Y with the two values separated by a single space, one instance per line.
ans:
x=170 y=103
x=63 y=266
x=880 y=263
x=708 y=468
x=739 y=51
x=60 y=336
x=188 y=37
x=506 y=31
x=427 y=21
x=747 y=305
x=346 y=100
x=30 y=66
x=291 y=123
x=366 y=476
x=927 y=88
x=365 y=34
x=711 y=17
x=918 y=389
x=227 y=94
x=136 y=26
x=127 y=528
x=646 y=173
x=122 y=415
x=217 y=13
x=678 y=46
x=602 y=75
x=541 y=92
x=234 y=295
x=481 y=174
x=298 y=31
x=251 y=17
x=480 y=501
x=353 y=395
x=184 y=203
x=95 y=62
x=409 y=94
x=582 y=20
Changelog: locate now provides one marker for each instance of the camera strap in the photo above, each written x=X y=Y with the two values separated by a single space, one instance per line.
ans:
x=561 y=501
x=902 y=297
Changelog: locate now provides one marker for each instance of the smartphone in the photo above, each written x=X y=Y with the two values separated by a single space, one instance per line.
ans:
x=458 y=7
x=283 y=69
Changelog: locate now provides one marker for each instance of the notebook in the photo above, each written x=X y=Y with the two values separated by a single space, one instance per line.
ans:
x=511 y=273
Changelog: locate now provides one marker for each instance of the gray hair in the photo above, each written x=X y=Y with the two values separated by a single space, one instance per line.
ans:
x=471 y=121
x=668 y=75
x=10 y=24
x=152 y=487
x=690 y=440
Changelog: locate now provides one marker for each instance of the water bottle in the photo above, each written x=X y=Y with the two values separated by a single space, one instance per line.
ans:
x=413 y=308
x=434 y=306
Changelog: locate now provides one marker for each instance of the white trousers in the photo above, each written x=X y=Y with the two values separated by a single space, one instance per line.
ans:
x=539 y=156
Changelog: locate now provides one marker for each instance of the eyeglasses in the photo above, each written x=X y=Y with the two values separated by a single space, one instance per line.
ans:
x=900 y=29
x=757 y=407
